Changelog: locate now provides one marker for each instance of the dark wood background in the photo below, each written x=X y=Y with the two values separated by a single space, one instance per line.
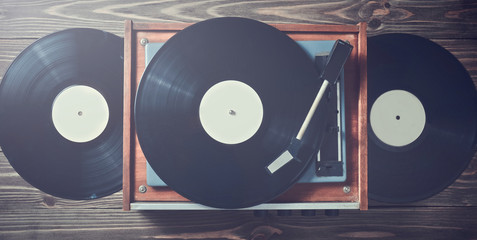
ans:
x=27 y=213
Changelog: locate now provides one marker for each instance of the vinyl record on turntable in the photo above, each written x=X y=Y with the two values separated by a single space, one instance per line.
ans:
x=61 y=114
x=422 y=126
x=219 y=102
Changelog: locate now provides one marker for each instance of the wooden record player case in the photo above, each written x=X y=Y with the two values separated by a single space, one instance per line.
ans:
x=351 y=194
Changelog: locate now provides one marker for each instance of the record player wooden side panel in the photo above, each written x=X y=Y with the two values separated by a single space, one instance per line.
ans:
x=127 y=101
x=363 y=116
x=135 y=162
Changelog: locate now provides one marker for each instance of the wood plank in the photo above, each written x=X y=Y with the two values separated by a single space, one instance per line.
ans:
x=9 y=50
x=463 y=192
x=465 y=50
x=16 y=193
x=398 y=223
x=437 y=19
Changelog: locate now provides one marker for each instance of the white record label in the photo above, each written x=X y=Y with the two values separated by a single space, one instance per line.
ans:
x=397 y=118
x=231 y=112
x=80 y=113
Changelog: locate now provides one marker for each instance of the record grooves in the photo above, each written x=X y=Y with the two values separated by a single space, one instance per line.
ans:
x=422 y=149
x=167 y=107
x=56 y=155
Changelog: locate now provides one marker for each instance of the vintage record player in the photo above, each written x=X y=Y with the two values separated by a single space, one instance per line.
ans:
x=337 y=176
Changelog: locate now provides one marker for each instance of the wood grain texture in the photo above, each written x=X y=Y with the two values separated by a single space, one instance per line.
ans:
x=440 y=18
x=16 y=193
x=77 y=222
x=27 y=213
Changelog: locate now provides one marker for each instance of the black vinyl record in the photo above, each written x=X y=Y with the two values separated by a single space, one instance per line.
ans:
x=169 y=96
x=425 y=103
x=65 y=63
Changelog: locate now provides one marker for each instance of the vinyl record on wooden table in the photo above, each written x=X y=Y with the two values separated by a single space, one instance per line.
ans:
x=422 y=127
x=61 y=113
x=218 y=103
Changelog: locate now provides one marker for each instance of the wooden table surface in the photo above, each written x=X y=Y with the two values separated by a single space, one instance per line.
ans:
x=27 y=213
